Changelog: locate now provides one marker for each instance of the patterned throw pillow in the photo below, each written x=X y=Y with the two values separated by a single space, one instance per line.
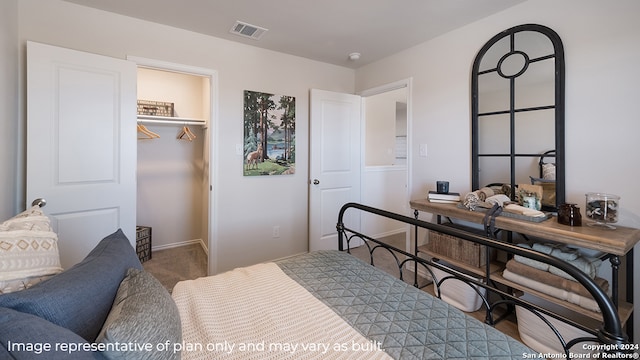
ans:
x=28 y=250
x=549 y=171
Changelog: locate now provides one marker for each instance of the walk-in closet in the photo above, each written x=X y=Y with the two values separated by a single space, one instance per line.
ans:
x=173 y=185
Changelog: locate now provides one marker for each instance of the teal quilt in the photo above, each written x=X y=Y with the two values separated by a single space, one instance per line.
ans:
x=408 y=322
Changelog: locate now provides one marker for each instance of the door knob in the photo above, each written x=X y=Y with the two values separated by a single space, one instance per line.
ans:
x=39 y=202
x=316 y=181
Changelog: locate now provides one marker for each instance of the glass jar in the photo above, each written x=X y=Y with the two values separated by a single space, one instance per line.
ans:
x=602 y=208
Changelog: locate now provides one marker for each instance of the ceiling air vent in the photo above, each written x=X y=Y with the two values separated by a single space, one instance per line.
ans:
x=247 y=30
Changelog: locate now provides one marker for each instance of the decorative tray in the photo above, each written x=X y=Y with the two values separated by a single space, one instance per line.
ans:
x=536 y=219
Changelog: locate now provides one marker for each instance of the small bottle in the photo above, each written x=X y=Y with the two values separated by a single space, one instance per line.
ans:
x=569 y=214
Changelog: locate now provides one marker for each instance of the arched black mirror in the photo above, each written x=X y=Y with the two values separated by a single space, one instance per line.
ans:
x=517 y=85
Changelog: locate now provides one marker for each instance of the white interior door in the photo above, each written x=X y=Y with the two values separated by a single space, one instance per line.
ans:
x=334 y=168
x=81 y=145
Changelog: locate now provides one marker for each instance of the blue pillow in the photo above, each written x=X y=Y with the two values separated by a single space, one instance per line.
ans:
x=80 y=298
x=25 y=336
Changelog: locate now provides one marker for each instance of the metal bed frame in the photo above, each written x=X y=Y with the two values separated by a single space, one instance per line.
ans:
x=609 y=333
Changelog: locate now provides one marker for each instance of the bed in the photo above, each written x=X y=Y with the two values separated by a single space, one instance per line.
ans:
x=320 y=305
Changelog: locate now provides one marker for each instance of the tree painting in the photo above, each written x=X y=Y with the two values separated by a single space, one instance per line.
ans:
x=269 y=134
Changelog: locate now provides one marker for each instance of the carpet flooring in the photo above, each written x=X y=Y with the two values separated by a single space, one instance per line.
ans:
x=176 y=264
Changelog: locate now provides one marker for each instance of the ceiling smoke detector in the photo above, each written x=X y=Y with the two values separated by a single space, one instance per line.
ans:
x=354 y=56
x=247 y=30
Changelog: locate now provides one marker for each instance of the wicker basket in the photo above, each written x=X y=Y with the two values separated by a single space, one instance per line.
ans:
x=455 y=248
x=155 y=108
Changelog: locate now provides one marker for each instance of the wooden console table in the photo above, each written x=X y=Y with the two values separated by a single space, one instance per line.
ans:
x=616 y=243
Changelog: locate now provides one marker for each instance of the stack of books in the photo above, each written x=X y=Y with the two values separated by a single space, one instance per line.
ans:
x=450 y=197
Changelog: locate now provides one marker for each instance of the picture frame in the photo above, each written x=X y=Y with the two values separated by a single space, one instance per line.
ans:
x=269 y=134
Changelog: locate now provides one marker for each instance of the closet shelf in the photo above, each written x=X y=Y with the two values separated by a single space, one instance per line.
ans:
x=152 y=119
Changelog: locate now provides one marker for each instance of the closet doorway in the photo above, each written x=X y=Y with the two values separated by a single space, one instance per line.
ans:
x=174 y=178
x=386 y=159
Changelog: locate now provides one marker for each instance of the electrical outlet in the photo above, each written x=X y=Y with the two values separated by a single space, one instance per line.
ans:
x=276 y=231
x=423 y=150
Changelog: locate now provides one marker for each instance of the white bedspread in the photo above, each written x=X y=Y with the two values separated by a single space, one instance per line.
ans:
x=259 y=312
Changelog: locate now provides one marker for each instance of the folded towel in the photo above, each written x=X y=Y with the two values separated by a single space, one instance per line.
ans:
x=517 y=209
x=565 y=253
x=556 y=250
x=474 y=199
x=587 y=265
x=530 y=262
x=499 y=199
x=582 y=301
x=485 y=193
x=554 y=280
x=471 y=200
x=543 y=248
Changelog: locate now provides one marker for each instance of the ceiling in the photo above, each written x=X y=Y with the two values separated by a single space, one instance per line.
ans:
x=322 y=30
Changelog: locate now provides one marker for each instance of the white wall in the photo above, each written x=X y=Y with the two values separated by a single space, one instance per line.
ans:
x=602 y=117
x=381 y=127
x=384 y=187
x=8 y=108
x=247 y=207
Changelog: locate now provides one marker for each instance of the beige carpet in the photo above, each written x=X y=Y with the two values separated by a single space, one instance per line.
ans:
x=176 y=264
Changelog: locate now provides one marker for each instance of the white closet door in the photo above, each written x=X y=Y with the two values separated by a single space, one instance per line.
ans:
x=81 y=145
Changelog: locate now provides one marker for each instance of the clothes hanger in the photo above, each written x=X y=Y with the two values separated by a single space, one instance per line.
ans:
x=193 y=136
x=184 y=135
x=148 y=133
x=186 y=132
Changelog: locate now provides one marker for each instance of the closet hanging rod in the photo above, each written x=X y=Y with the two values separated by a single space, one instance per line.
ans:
x=178 y=121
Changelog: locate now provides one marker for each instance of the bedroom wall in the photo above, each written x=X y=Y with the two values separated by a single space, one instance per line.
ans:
x=602 y=119
x=8 y=107
x=247 y=207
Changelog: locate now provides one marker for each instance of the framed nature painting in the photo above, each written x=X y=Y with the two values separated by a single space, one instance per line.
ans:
x=269 y=134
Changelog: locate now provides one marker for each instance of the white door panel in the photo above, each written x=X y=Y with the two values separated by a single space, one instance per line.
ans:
x=335 y=164
x=76 y=225
x=81 y=144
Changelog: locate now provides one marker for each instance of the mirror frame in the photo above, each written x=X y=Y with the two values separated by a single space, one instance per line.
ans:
x=559 y=107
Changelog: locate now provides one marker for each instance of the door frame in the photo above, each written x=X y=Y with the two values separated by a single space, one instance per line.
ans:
x=403 y=83
x=212 y=125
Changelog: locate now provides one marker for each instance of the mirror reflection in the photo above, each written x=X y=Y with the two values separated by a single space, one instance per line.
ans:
x=518 y=112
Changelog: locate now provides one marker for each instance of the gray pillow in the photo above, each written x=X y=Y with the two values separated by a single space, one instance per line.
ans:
x=143 y=313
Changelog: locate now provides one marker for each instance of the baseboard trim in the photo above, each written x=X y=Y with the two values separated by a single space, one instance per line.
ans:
x=287 y=257
x=180 y=244
x=389 y=233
